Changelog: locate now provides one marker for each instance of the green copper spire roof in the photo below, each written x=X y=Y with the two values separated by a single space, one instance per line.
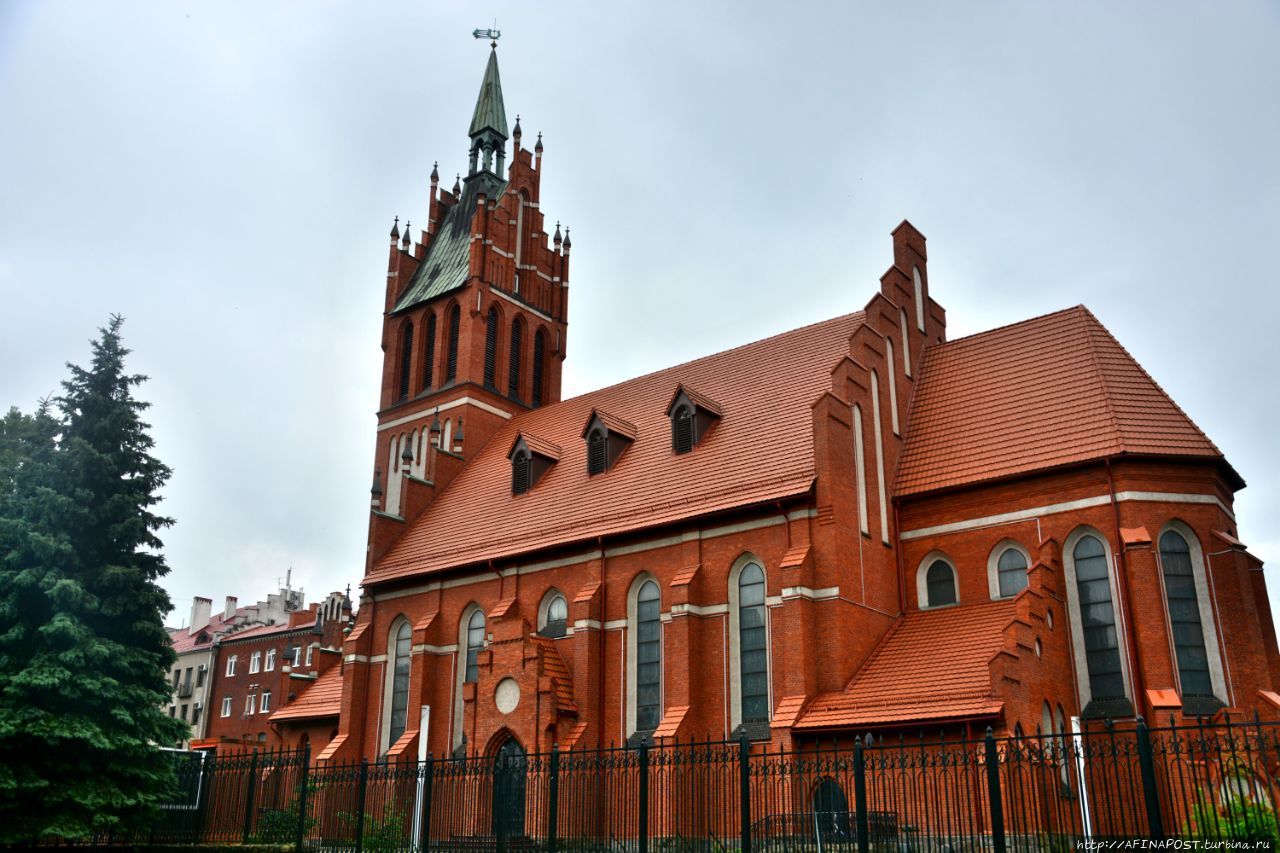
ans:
x=490 y=113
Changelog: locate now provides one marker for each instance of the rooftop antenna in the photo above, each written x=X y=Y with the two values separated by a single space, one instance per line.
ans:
x=493 y=33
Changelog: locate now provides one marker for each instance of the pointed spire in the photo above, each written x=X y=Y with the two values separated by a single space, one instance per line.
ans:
x=406 y=242
x=537 y=148
x=515 y=131
x=395 y=230
x=457 y=185
x=435 y=172
x=406 y=457
x=567 y=241
x=376 y=491
x=490 y=113
x=558 y=239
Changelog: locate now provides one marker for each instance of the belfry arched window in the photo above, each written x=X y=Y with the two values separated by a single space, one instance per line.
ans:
x=491 y=348
x=515 y=358
x=398 y=694
x=539 y=368
x=1184 y=615
x=429 y=351
x=451 y=360
x=406 y=361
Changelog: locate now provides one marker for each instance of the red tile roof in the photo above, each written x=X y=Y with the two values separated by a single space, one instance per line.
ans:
x=561 y=680
x=323 y=698
x=1050 y=391
x=184 y=641
x=932 y=665
x=265 y=630
x=760 y=450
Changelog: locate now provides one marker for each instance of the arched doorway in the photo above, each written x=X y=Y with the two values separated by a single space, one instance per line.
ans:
x=830 y=812
x=508 y=790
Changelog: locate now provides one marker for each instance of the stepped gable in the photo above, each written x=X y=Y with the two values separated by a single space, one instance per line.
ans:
x=1051 y=391
x=760 y=450
x=322 y=698
x=931 y=666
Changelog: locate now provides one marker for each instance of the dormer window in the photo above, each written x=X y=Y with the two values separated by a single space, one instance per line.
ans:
x=531 y=457
x=692 y=415
x=607 y=437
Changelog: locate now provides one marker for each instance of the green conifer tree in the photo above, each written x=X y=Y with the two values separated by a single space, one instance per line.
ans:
x=84 y=655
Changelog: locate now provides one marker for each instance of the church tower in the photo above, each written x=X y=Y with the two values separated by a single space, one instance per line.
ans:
x=474 y=321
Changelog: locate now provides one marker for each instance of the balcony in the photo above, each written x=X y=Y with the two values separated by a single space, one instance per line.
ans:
x=184 y=690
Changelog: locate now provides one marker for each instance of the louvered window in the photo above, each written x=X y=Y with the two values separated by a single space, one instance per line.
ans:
x=1098 y=620
x=451 y=363
x=491 y=349
x=539 y=353
x=406 y=361
x=682 y=430
x=1184 y=615
x=429 y=352
x=597 y=453
x=753 y=645
x=1012 y=570
x=648 y=658
x=513 y=370
x=520 y=474
x=941 y=581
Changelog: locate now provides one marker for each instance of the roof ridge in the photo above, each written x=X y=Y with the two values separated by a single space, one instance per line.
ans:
x=1007 y=326
x=1084 y=315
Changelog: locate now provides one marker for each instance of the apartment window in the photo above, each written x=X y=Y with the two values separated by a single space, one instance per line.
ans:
x=264 y=704
x=271 y=660
x=475 y=642
x=195 y=715
x=182 y=713
x=309 y=650
x=226 y=706
x=177 y=676
x=297 y=656
x=255 y=662
x=231 y=665
x=173 y=710
x=200 y=670
x=248 y=705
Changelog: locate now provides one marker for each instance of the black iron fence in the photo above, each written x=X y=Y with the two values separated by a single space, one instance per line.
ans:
x=1043 y=793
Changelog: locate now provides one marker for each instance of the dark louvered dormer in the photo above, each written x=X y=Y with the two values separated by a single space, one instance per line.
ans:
x=531 y=457
x=607 y=437
x=692 y=416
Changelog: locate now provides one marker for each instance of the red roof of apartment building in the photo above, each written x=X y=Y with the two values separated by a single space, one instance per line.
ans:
x=322 y=698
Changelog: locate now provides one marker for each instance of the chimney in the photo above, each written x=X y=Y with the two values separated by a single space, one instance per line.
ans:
x=201 y=609
x=230 y=610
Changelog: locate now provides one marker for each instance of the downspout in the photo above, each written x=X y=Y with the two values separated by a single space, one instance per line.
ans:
x=1135 y=656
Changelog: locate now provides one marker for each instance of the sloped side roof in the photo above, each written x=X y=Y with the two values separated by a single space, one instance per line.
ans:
x=760 y=450
x=562 y=680
x=323 y=698
x=448 y=259
x=1050 y=391
x=933 y=665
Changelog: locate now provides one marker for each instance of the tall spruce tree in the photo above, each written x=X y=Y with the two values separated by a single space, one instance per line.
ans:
x=84 y=655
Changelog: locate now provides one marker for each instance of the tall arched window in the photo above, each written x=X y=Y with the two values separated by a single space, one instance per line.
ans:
x=647 y=656
x=451 y=360
x=753 y=651
x=398 y=694
x=429 y=352
x=475 y=642
x=406 y=361
x=919 y=285
x=491 y=348
x=516 y=356
x=890 y=363
x=879 y=444
x=906 y=342
x=539 y=368
x=1184 y=615
x=860 y=470
x=940 y=581
x=1098 y=619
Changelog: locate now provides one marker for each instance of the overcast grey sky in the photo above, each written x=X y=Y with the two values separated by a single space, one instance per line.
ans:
x=224 y=175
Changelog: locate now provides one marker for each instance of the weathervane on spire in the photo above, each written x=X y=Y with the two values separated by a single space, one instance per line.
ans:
x=492 y=33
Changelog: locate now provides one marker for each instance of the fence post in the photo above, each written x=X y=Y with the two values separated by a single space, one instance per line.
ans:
x=553 y=799
x=248 y=798
x=208 y=762
x=501 y=801
x=364 y=784
x=644 y=795
x=860 y=795
x=424 y=841
x=744 y=783
x=305 y=754
x=1155 y=826
x=993 y=793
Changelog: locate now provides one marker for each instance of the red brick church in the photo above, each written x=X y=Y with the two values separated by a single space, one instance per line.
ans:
x=856 y=526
